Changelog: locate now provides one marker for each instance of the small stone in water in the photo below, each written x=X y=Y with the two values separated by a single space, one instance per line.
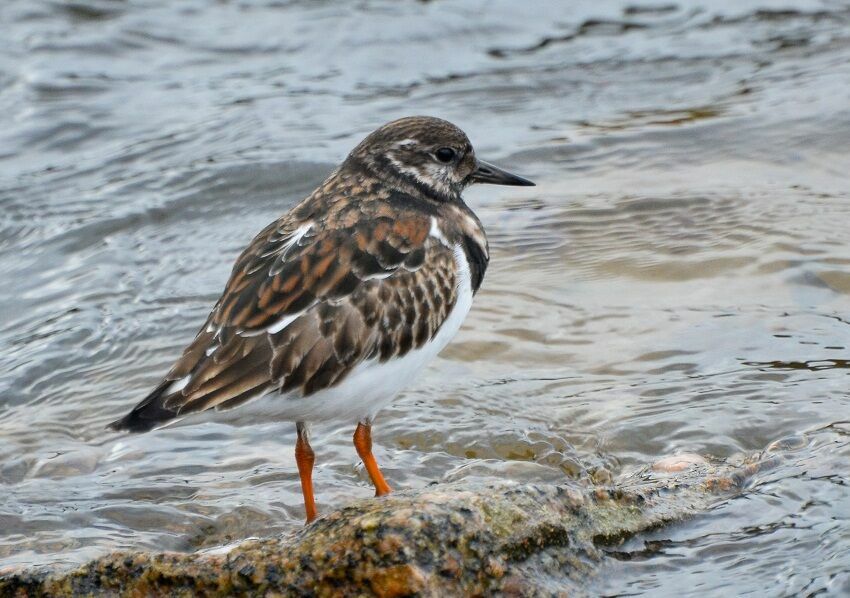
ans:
x=677 y=463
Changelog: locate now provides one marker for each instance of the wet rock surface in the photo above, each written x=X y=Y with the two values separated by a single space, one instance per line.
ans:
x=519 y=539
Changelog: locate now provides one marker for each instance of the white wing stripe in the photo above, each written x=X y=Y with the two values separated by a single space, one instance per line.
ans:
x=437 y=233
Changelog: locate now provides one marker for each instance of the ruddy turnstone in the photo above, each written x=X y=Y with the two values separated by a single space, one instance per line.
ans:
x=336 y=305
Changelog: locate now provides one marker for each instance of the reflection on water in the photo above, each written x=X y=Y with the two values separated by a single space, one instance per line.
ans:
x=678 y=281
x=814 y=366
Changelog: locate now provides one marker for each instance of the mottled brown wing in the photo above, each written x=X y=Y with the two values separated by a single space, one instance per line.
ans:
x=303 y=306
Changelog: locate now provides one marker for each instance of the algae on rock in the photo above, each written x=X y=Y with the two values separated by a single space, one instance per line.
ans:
x=441 y=540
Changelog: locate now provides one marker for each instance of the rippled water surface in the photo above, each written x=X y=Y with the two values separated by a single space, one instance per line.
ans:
x=679 y=280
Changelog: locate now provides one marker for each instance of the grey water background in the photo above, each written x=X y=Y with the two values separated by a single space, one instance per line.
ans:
x=679 y=281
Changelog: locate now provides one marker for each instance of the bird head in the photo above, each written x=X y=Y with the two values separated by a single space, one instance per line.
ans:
x=430 y=154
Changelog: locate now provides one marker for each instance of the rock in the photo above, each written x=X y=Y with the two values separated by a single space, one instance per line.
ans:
x=538 y=539
x=678 y=463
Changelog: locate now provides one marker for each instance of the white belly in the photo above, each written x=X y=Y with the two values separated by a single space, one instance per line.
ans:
x=368 y=388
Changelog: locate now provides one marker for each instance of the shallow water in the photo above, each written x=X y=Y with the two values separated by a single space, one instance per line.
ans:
x=678 y=281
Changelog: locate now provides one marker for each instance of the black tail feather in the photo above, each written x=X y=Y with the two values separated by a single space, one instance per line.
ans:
x=148 y=414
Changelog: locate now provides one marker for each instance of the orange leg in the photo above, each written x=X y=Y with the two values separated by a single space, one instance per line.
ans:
x=363 y=444
x=305 y=458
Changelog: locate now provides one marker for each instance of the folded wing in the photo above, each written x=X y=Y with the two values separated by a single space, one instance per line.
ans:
x=304 y=305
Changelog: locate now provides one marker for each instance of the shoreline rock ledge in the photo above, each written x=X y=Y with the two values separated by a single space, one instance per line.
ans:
x=515 y=539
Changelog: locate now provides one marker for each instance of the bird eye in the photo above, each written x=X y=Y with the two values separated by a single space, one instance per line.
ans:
x=445 y=154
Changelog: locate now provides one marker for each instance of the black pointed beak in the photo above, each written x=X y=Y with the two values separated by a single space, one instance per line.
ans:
x=487 y=173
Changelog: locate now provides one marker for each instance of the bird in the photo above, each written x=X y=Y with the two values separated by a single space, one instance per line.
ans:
x=334 y=307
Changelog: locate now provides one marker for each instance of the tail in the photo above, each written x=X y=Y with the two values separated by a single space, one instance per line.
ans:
x=148 y=414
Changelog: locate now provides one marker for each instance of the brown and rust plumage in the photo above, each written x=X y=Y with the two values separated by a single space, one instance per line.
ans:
x=362 y=281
